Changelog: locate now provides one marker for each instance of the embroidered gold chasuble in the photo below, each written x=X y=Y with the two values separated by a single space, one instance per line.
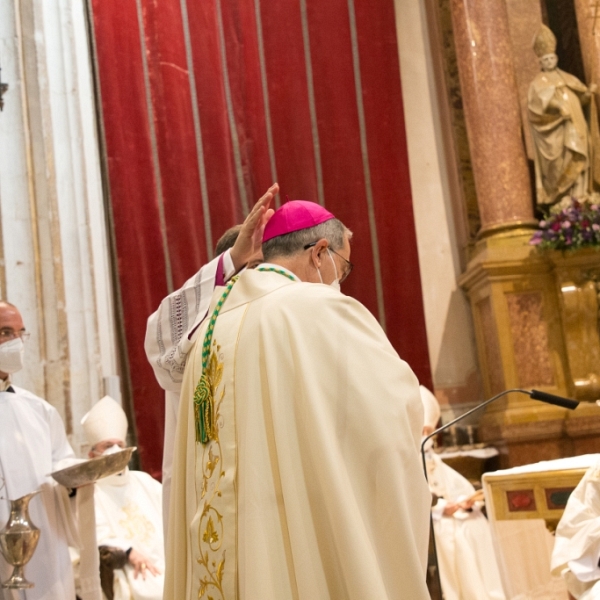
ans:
x=312 y=486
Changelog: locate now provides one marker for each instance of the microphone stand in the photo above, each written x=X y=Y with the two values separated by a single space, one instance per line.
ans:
x=534 y=394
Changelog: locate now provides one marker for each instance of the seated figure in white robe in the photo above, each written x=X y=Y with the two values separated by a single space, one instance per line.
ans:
x=33 y=443
x=466 y=559
x=576 y=554
x=128 y=509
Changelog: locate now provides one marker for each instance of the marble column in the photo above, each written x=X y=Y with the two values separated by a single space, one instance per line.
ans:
x=588 y=24
x=491 y=103
x=512 y=288
x=524 y=19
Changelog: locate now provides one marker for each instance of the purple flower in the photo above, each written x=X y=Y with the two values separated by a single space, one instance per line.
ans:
x=575 y=226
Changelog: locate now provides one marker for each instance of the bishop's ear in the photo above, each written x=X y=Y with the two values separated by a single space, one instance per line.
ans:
x=317 y=251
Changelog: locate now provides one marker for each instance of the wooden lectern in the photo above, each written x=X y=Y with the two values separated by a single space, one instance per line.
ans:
x=524 y=504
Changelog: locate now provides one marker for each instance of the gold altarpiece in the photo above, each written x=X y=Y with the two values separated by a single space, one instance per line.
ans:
x=535 y=313
x=536 y=324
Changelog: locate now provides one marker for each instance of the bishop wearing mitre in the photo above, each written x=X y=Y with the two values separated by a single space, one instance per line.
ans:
x=297 y=472
x=128 y=508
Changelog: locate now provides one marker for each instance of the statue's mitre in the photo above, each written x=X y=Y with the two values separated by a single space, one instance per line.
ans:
x=544 y=42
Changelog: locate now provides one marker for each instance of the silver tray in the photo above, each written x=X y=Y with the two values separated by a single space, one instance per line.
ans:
x=91 y=470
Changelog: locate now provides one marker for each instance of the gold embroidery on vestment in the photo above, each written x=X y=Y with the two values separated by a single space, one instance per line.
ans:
x=136 y=525
x=211 y=525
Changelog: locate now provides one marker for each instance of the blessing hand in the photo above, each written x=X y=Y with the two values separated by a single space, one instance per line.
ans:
x=249 y=240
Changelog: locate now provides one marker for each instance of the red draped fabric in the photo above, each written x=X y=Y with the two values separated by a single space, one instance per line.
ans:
x=205 y=104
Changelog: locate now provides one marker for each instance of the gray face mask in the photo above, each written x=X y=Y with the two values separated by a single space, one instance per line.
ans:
x=11 y=356
x=335 y=284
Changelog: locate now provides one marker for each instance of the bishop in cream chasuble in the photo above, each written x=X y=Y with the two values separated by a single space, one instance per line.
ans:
x=297 y=472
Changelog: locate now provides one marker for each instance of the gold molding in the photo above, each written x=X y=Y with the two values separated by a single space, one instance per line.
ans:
x=508 y=229
x=538 y=486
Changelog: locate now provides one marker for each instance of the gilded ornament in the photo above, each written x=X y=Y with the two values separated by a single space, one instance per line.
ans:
x=210 y=534
x=208 y=397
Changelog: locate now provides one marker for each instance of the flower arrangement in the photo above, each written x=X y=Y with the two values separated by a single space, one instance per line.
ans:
x=576 y=226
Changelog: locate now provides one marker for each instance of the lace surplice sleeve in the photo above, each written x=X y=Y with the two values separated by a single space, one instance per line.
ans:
x=170 y=328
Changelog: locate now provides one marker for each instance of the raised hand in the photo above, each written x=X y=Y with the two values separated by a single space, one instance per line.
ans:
x=249 y=241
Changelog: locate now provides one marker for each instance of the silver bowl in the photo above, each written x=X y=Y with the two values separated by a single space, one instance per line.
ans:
x=91 y=470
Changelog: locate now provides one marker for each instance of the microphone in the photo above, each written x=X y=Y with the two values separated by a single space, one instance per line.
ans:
x=533 y=394
x=552 y=399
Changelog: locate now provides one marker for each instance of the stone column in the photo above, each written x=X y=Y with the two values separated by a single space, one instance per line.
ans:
x=588 y=24
x=512 y=288
x=491 y=103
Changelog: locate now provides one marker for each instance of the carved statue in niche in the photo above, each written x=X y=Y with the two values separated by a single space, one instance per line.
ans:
x=565 y=161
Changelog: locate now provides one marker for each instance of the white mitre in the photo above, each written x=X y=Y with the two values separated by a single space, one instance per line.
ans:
x=431 y=407
x=106 y=420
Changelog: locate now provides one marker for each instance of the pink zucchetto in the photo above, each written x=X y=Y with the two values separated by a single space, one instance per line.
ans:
x=294 y=216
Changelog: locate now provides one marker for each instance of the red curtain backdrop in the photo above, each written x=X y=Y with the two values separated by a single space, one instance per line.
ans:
x=206 y=103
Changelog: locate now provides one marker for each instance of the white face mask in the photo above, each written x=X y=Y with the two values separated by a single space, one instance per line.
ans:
x=112 y=450
x=336 y=282
x=11 y=356
x=120 y=478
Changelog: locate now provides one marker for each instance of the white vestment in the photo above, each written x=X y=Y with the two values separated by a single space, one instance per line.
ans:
x=129 y=515
x=312 y=486
x=168 y=342
x=32 y=444
x=466 y=558
x=577 y=540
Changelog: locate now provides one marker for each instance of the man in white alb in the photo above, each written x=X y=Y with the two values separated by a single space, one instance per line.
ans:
x=128 y=509
x=169 y=329
x=297 y=473
x=33 y=443
x=576 y=555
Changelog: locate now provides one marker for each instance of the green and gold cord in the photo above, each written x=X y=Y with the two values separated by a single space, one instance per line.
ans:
x=204 y=392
